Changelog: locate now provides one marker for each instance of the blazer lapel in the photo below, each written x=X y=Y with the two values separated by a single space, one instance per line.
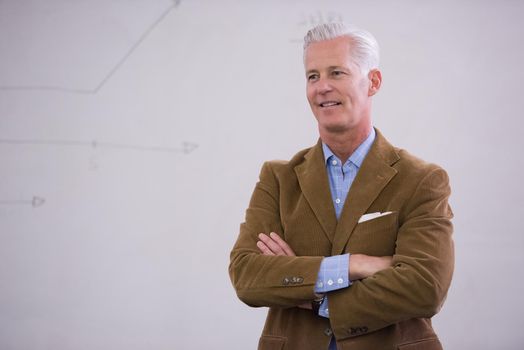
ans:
x=373 y=176
x=314 y=183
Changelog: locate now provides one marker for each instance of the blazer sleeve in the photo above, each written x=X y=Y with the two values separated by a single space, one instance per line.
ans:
x=261 y=280
x=416 y=284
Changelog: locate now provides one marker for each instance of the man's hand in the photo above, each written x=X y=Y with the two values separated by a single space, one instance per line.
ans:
x=272 y=244
x=362 y=266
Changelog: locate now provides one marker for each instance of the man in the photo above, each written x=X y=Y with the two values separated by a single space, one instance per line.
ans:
x=348 y=243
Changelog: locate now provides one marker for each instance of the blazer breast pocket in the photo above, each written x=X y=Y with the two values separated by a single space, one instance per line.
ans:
x=376 y=236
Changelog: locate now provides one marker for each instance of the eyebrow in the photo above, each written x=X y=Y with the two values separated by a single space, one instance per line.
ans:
x=330 y=68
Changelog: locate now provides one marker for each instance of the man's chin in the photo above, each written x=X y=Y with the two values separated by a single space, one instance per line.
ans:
x=335 y=128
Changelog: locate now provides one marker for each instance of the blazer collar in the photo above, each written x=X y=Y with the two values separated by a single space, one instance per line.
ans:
x=314 y=183
x=375 y=173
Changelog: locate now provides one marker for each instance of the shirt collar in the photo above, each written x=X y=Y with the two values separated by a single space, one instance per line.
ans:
x=358 y=155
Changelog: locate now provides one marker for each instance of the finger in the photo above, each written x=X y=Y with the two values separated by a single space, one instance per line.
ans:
x=271 y=244
x=283 y=245
x=264 y=248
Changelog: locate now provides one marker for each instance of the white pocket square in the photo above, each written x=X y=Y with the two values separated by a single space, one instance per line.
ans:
x=370 y=216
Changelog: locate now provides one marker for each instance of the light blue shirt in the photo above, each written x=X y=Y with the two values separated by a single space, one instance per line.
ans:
x=334 y=270
x=341 y=176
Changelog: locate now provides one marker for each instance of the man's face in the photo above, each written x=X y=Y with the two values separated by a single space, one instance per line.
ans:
x=337 y=91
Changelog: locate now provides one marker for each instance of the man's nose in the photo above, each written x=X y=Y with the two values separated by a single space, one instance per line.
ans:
x=324 y=86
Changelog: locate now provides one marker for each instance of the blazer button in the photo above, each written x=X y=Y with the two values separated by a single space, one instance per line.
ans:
x=328 y=332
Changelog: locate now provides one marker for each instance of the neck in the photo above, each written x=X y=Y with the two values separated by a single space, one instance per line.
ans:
x=343 y=144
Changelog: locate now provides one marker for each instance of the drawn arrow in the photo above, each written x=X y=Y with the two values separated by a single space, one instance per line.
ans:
x=186 y=147
x=35 y=202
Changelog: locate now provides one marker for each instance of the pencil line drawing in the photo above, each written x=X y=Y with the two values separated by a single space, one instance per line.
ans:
x=314 y=19
x=107 y=77
x=185 y=147
x=35 y=202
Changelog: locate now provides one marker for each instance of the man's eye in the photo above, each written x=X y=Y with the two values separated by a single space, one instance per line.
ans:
x=337 y=72
x=312 y=77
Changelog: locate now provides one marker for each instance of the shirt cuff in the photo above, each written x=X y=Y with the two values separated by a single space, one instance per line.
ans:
x=333 y=274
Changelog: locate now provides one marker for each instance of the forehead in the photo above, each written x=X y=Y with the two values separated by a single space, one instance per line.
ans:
x=334 y=52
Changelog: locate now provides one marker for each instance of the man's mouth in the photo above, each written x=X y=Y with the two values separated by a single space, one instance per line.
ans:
x=329 y=103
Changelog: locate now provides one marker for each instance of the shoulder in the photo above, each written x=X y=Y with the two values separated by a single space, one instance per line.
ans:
x=277 y=175
x=405 y=163
x=421 y=181
x=409 y=161
x=286 y=167
x=414 y=165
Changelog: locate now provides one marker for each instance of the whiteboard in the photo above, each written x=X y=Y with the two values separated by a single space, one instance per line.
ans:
x=132 y=134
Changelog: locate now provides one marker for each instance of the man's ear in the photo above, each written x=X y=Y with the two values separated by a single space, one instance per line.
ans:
x=375 y=77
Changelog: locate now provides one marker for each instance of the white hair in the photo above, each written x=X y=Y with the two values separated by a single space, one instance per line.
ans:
x=364 y=46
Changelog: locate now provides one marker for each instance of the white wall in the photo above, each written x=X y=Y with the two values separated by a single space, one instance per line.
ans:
x=103 y=103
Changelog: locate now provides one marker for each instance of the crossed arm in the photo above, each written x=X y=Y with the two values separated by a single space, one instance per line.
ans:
x=360 y=265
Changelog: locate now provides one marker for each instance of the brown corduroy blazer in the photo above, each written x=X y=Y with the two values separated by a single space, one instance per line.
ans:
x=389 y=310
